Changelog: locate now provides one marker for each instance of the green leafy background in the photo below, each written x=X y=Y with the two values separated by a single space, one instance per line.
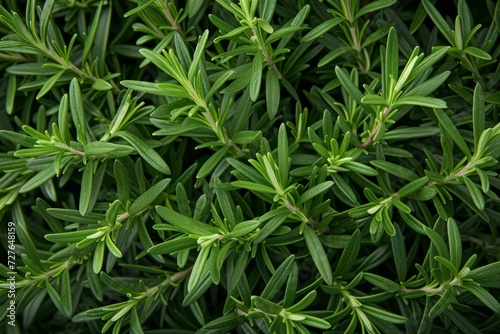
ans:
x=253 y=166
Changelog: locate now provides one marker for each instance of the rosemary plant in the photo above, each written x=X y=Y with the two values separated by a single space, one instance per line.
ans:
x=249 y=166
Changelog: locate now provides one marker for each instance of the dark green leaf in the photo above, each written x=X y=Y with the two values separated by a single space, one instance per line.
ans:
x=148 y=197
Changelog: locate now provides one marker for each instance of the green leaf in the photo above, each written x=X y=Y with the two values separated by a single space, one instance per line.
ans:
x=282 y=32
x=422 y=101
x=242 y=229
x=212 y=162
x=94 y=282
x=91 y=33
x=438 y=242
x=318 y=254
x=475 y=193
x=101 y=85
x=452 y=131
x=413 y=186
x=390 y=70
x=478 y=113
x=186 y=224
x=47 y=86
x=37 y=180
x=199 y=269
x=411 y=133
x=11 y=94
x=313 y=192
x=348 y=85
x=86 y=187
x=279 y=278
x=349 y=254
x=266 y=305
x=381 y=282
x=218 y=84
x=272 y=93
x=77 y=112
x=444 y=301
x=256 y=76
x=334 y=54
x=145 y=151
x=238 y=271
x=395 y=169
x=254 y=187
x=198 y=52
x=69 y=237
x=374 y=99
x=148 y=197
x=135 y=322
x=29 y=247
x=484 y=296
x=283 y=155
x=66 y=294
x=321 y=29
x=478 y=53
x=383 y=315
x=374 y=6
x=18 y=138
x=303 y=303
x=399 y=254
x=439 y=21
x=193 y=6
x=98 y=257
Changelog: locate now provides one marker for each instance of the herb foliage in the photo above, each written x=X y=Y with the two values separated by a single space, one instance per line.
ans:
x=252 y=166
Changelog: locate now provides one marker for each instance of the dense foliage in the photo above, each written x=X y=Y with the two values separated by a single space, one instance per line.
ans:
x=252 y=166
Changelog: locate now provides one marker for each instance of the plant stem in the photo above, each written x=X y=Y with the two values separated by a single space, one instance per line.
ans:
x=369 y=141
x=171 y=19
